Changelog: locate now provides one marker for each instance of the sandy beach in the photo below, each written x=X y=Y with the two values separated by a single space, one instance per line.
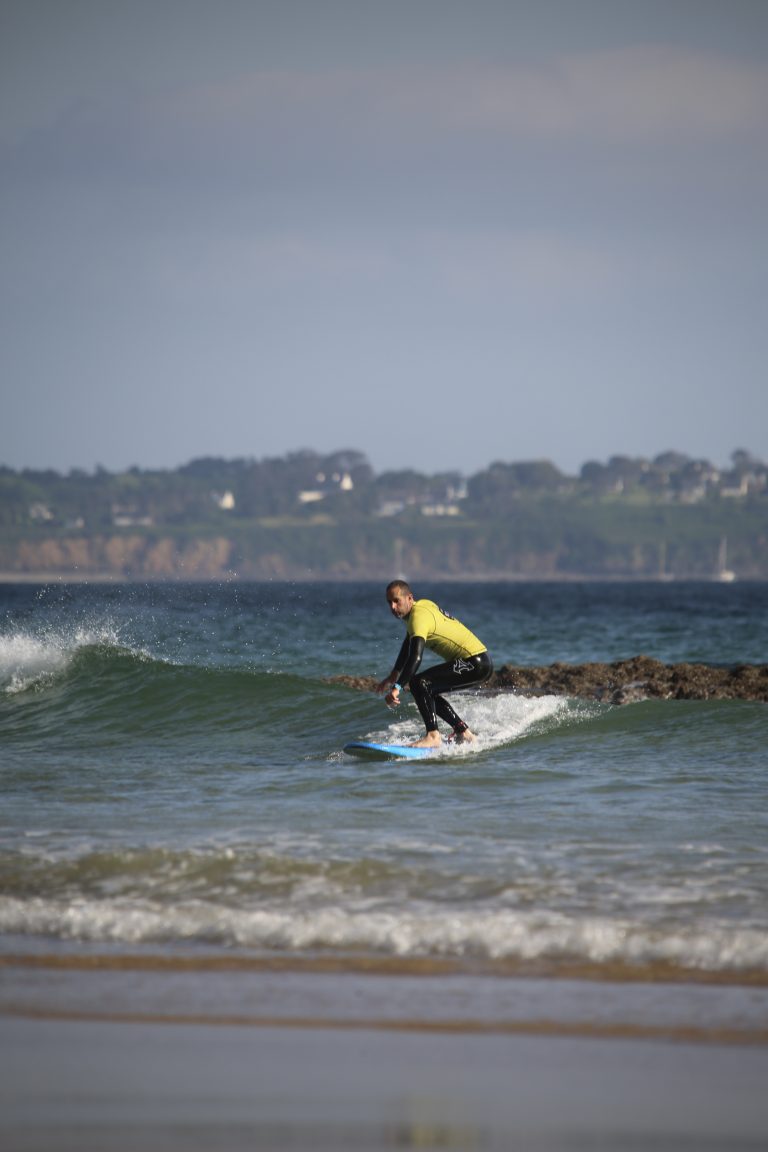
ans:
x=120 y=1059
x=118 y=1087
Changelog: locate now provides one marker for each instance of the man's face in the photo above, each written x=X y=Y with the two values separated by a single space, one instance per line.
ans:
x=400 y=603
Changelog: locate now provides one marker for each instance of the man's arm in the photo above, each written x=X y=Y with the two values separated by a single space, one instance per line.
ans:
x=407 y=663
x=394 y=675
x=414 y=651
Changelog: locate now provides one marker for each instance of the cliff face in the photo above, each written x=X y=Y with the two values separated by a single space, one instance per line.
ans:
x=362 y=550
x=121 y=556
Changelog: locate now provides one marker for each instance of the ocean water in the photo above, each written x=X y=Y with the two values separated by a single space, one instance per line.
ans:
x=172 y=782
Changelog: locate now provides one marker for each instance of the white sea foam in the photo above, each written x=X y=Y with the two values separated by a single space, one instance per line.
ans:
x=25 y=659
x=28 y=659
x=490 y=933
x=495 y=720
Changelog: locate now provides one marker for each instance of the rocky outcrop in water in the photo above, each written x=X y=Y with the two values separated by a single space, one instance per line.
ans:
x=621 y=682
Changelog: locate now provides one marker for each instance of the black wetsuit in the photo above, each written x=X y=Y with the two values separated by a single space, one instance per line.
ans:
x=428 y=626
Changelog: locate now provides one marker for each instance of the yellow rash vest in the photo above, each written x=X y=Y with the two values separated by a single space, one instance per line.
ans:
x=442 y=633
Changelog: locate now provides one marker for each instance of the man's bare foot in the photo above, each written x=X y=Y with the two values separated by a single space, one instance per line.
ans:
x=431 y=740
x=465 y=737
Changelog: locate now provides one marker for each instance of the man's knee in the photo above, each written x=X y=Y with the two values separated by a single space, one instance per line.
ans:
x=420 y=686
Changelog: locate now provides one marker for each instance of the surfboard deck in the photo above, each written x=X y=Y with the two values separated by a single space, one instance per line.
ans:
x=367 y=750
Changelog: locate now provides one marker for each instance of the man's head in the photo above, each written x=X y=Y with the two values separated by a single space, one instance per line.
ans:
x=399 y=598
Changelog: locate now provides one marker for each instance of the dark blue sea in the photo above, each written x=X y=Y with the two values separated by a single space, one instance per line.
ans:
x=173 y=784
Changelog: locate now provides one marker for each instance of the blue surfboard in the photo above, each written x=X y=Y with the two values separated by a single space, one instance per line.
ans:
x=370 y=751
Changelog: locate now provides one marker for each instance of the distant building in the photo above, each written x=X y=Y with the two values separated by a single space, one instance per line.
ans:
x=40 y=511
x=440 y=510
x=224 y=500
x=339 y=482
x=128 y=516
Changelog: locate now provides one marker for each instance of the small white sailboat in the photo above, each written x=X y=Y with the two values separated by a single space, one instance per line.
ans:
x=724 y=573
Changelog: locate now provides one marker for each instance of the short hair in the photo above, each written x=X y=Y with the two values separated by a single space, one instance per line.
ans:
x=401 y=586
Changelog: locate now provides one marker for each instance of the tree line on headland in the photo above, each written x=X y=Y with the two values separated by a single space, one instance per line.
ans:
x=309 y=515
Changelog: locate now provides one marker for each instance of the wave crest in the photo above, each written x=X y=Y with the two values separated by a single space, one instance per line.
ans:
x=466 y=935
x=29 y=659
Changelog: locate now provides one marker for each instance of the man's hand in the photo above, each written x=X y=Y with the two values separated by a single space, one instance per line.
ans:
x=392 y=689
x=393 y=696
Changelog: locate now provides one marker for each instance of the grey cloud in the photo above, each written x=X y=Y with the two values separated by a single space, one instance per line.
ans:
x=647 y=133
x=642 y=93
x=633 y=97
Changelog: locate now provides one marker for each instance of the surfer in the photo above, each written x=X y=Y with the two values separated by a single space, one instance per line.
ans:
x=466 y=663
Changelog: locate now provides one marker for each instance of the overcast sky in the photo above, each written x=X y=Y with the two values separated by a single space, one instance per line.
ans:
x=441 y=233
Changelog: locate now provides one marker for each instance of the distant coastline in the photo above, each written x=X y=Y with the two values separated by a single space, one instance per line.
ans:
x=311 y=517
x=78 y=577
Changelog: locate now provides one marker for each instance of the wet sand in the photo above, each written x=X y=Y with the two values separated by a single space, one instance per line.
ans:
x=119 y=1058
x=121 y=1087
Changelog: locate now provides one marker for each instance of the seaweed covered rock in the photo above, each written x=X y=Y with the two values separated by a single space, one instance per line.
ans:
x=621 y=682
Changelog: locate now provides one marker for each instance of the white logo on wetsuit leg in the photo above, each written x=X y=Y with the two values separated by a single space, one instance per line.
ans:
x=460 y=666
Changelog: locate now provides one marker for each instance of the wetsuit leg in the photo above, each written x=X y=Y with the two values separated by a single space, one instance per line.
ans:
x=427 y=688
